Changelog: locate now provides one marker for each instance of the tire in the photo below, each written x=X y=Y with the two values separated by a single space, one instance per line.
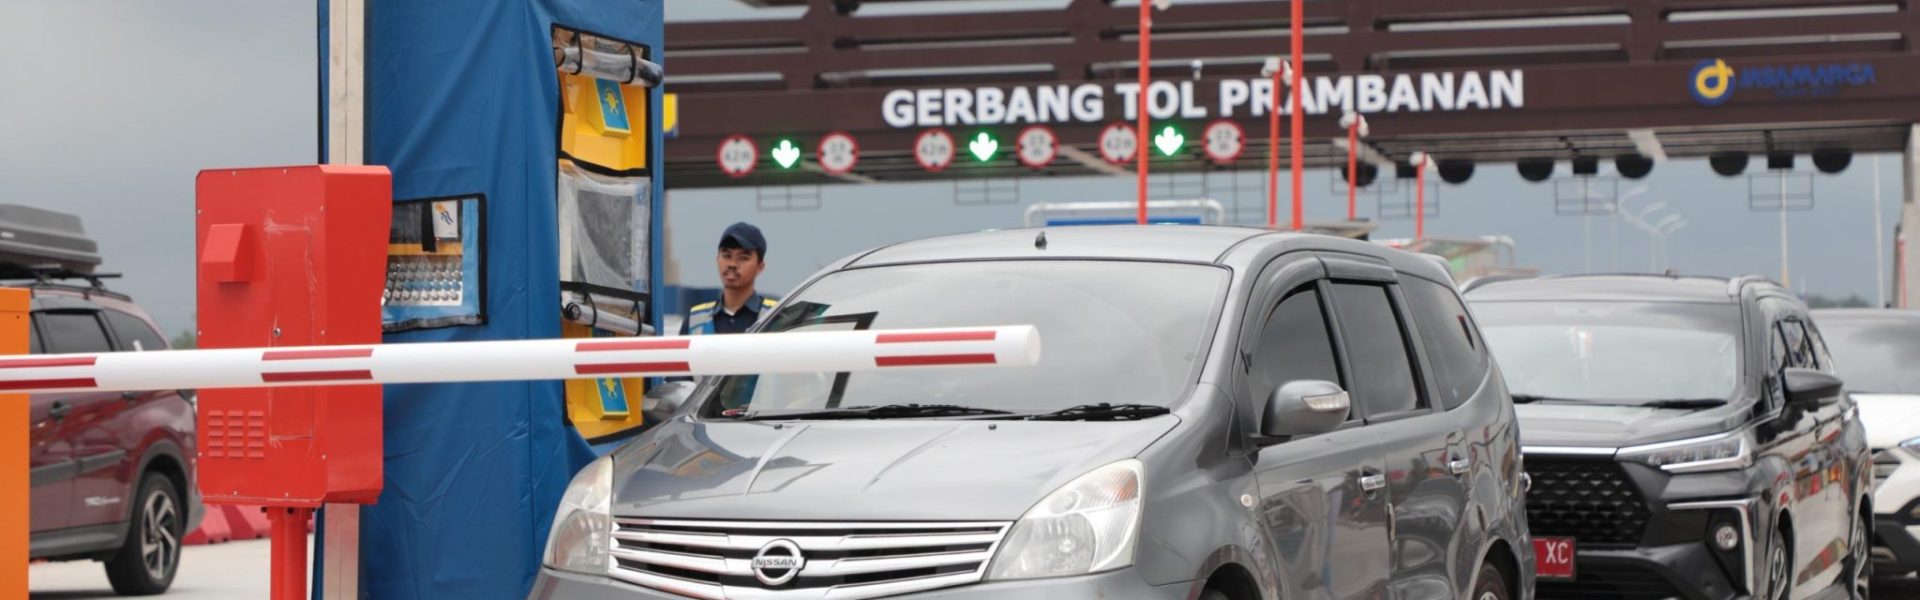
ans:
x=150 y=557
x=1860 y=557
x=1212 y=594
x=1492 y=585
x=1779 y=566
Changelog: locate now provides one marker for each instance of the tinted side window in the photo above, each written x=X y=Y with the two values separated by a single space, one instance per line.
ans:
x=1458 y=357
x=1799 y=351
x=1777 y=358
x=1294 y=345
x=1376 y=346
x=134 y=333
x=33 y=337
x=73 y=332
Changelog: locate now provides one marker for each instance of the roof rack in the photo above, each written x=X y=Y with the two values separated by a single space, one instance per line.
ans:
x=48 y=274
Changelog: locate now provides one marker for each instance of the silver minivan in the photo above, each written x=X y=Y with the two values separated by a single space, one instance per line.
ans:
x=1219 y=413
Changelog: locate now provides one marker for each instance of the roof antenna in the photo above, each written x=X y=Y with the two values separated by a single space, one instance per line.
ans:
x=1040 y=241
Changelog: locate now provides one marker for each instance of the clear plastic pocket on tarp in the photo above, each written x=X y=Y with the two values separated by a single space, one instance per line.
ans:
x=435 y=264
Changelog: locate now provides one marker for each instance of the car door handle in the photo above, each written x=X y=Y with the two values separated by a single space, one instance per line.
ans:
x=1373 y=483
x=1460 y=466
x=129 y=396
x=58 y=410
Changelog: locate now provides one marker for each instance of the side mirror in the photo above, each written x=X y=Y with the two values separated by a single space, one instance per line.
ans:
x=664 y=401
x=1305 y=407
x=1808 y=387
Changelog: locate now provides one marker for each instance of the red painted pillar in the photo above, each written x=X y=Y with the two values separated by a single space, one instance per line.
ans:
x=289 y=551
x=1298 y=153
x=1141 y=142
x=1420 y=200
x=1353 y=163
x=1273 y=153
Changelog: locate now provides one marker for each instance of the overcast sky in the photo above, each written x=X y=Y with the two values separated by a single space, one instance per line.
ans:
x=109 y=107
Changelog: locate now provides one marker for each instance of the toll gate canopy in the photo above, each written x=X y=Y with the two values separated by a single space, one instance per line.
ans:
x=1468 y=81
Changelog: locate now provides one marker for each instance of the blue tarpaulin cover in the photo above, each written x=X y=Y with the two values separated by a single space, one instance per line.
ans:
x=462 y=98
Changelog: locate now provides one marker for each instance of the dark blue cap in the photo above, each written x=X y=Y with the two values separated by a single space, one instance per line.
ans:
x=747 y=237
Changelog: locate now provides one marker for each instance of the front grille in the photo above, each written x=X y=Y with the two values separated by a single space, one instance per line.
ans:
x=1591 y=501
x=1608 y=583
x=715 y=559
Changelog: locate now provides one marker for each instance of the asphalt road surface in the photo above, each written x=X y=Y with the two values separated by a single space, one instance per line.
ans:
x=230 y=571
x=238 y=570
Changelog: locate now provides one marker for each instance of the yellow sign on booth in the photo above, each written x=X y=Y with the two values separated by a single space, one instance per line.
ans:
x=605 y=124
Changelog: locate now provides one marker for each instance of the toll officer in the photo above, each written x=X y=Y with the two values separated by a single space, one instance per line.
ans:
x=743 y=255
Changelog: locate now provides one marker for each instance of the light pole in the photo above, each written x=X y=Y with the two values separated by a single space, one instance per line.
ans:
x=1653 y=240
x=1614 y=226
x=1670 y=229
x=1420 y=162
x=1277 y=69
x=1356 y=126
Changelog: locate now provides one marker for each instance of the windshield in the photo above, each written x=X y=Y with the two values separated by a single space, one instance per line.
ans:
x=1615 y=352
x=1874 y=354
x=1116 y=332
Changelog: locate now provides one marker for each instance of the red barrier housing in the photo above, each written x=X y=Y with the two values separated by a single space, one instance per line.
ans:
x=291 y=256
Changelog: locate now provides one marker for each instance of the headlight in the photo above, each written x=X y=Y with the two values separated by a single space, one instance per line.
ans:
x=1088 y=526
x=583 y=525
x=1712 y=453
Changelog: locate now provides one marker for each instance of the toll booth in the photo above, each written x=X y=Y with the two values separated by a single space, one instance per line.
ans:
x=522 y=138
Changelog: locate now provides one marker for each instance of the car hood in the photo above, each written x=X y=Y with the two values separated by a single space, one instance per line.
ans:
x=1605 y=426
x=870 y=470
x=1889 y=418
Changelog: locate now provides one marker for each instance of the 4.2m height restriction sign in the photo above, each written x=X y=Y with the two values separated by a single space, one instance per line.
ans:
x=838 y=153
x=737 y=155
x=934 y=150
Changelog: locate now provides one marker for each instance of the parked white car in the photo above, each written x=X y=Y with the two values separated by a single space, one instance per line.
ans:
x=1877 y=354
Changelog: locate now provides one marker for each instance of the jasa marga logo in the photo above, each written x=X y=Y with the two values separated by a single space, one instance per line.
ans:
x=1713 y=82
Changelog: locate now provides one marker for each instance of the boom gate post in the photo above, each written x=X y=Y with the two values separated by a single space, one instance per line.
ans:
x=16 y=418
x=291 y=256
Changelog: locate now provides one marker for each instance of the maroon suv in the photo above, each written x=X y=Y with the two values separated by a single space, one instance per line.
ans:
x=112 y=472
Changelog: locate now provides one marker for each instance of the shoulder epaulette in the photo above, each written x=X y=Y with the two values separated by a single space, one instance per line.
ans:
x=704 y=306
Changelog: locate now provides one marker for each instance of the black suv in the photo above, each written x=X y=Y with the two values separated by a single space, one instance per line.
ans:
x=1685 y=438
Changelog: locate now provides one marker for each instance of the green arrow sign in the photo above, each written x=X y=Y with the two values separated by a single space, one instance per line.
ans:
x=1169 y=141
x=786 y=154
x=983 y=147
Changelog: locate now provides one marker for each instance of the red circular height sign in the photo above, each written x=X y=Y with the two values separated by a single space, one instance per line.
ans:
x=934 y=150
x=737 y=155
x=838 y=153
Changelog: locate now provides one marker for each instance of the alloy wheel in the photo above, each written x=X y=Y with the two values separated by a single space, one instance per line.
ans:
x=159 y=545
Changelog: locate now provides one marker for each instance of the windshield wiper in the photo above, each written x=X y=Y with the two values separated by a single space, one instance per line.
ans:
x=1686 y=403
x=889 y=411
x=1102 y=412
x=1532 y=398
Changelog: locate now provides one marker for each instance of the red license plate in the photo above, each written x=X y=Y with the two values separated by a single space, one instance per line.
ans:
x=1553 y=557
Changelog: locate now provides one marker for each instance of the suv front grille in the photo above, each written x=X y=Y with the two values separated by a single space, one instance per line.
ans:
x=1609 y=582
x=842 y=561
x=1591 y=501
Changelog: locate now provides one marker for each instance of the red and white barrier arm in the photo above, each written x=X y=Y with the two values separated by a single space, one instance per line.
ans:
x=796 y=352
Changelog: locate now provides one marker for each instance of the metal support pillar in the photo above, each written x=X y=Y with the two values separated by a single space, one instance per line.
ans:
x=339 y=574
x=1908 y=286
